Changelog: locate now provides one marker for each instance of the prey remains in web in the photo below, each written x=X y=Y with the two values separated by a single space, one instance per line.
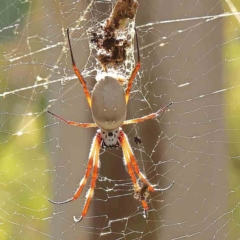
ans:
x=108 y=104
x=113 y=40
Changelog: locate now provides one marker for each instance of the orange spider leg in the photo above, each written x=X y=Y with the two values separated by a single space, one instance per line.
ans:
x=147 y=117
x=134 y=72
x=77 y=124
x=87 y=173
x=90 y=192
x=128 y=164
x=127 y=148
x=130 y=170
x=145 y=206
x=79 y=75
x=128 y=151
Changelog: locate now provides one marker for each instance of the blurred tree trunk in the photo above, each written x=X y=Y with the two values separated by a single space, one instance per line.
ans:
x=123 y=206
x=186 y=59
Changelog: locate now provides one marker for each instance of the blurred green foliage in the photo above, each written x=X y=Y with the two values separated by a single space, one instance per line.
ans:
x=231 y=55
x=12 y=14
x=23 y=158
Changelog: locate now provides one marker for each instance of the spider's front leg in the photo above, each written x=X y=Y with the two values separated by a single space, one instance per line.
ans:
x=132 y=175
x=131 y=163
x=93 y=162
x=90 y=192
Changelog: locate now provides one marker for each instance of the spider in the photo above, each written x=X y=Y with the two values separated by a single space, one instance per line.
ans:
x=137 y=140
x=108 y=104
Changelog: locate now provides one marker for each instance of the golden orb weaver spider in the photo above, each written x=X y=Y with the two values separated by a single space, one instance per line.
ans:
x=108 y=104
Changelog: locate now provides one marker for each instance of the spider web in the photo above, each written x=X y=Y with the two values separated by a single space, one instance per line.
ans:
x=189 y=56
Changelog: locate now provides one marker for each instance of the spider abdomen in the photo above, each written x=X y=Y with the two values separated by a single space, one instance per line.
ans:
x=108 y=104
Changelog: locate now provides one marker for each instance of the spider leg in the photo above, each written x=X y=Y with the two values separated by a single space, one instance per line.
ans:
x=130 y=171
x=79 y=75
x=128 y=150
x=147 y=117
x=77 y=124
x=83 y=182
x=134 y=72
x=90 y=192
x=164 y=189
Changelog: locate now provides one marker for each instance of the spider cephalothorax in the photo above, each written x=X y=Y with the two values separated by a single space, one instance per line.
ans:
x=108 y=104
x=110 y=139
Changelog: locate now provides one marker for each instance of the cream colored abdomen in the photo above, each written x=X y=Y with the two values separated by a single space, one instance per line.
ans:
x=108 y=104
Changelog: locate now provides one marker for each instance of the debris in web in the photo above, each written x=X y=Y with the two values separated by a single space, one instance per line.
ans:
x=113 y=40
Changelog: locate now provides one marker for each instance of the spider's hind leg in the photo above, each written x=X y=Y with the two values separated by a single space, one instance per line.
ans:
x=134 y=72
x=78 y=73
